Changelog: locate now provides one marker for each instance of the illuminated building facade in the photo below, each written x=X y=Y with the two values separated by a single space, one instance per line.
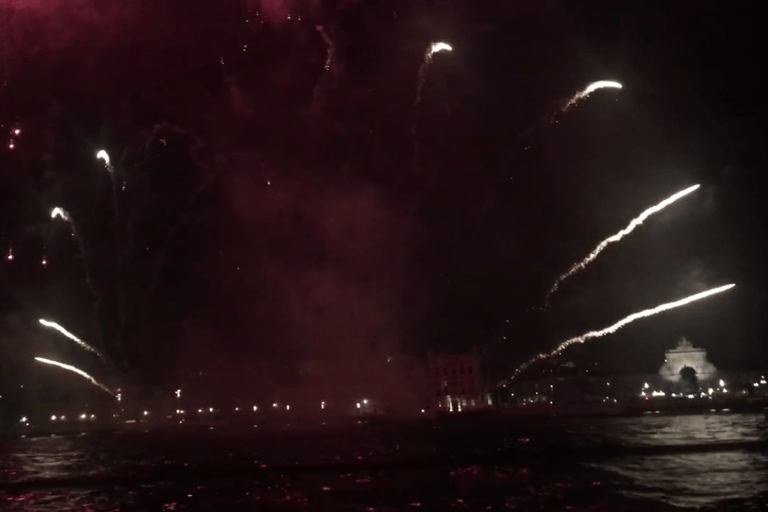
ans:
x=686 y=356
x=456 y=382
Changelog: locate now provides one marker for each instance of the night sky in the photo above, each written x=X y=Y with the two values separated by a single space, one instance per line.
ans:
x=272 y=209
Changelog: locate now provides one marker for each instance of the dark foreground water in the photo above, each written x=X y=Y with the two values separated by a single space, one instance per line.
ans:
x=717 y=461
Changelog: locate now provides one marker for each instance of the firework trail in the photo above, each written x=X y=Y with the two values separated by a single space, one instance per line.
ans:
x=329 y=44
x=621 y=323
x=589 y=90
x=618 y=236
x=63 y=214
x=54 y=325
x=328 y=66
x=77 y=371
x=548 y=119
x=432 y=49
x=104 y=156
x=60 y=212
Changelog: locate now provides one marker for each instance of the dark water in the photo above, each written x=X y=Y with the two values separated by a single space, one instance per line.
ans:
x=716 y=462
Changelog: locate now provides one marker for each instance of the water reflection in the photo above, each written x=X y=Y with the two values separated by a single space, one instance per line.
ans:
x=694 y=480
x=688 y=480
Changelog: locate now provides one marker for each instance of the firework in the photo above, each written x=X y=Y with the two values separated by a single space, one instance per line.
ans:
x=329 y=45
x=54 y=325
x=437 y=47
x=432 y=49
x=77 y=371
x=103 y=155
x=60 y=212
x=326 y=80
x=524 y=138
x=621 y=323
x=63 y=214
x=618 y=236
x=589 y=90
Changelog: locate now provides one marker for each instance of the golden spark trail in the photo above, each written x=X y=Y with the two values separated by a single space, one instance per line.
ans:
x=54 y=325
x=621 y=323
x=618 y=236
x=77 y=371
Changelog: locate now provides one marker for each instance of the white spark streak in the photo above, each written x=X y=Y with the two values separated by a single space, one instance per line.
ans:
x=621 y=323
x=54 y=325
x=437 y=47
x=431 y=50
x=60 y=212
x=618 y=236
x=589 y=90
x=77 y=371
x=103 y=155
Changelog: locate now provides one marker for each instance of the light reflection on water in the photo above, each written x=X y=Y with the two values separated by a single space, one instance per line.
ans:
x=700 y=479
x=692 y=479
x=676 y=430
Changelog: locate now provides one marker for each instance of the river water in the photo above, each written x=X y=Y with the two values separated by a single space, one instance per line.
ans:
x=716 y=461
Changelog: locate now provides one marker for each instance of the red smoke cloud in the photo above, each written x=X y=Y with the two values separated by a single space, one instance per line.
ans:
x=332 y=259
x=278 y=10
